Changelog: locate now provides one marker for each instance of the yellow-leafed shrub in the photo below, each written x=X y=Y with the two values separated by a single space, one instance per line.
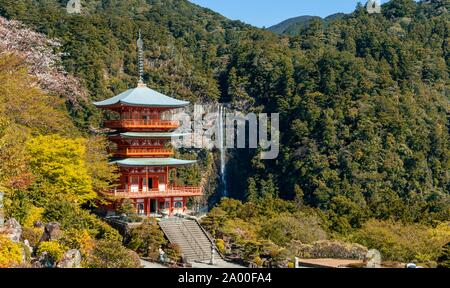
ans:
x=54 y=250
x=78 y=239
x=34 y=214
x=220 y=244
x=403 y=242
x=10 y=253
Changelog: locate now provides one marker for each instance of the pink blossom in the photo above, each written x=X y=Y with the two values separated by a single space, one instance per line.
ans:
x=43 y=60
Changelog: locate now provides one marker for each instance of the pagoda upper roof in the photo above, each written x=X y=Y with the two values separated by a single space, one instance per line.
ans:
x=149 y=135
x=143 y=162
x=142 y=96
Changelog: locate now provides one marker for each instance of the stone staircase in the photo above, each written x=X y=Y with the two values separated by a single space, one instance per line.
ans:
x=188 y=234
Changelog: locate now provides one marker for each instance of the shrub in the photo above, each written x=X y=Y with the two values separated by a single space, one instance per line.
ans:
x=284 y=228
x=328 y=249
x=277 y=256
x=400 y=242
x=220 y=244
x=231 y=207
x=10 y=253
x=69 y=215
x=54 y=250
x=439 y=237
x=127 y=208
x=78 y=239
x=258 y=261
x=241 y=231
x=134 y=219
x=251 y=249
x=146 y=239
x=33 y=235
x=214 y=221
x=33 y=214
x=444 y=257
x=173 y=251
x=111 y=254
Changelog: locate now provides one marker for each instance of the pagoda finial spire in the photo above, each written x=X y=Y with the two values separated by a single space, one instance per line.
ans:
x=140 y=45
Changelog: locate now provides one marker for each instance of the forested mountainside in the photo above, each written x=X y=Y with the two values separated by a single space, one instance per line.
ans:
x=363 y=105
x=292 y=26
x=281 y=27
x=186 y=47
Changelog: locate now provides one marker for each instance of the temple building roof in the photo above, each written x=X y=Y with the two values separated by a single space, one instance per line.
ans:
x=142 y=96
x=153 y=162
x=149 y=135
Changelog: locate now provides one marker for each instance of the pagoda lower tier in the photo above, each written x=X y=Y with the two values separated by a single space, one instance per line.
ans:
x=152 y=203
x=146 y=182
x=155 y=206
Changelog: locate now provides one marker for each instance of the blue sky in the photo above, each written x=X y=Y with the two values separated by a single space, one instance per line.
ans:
x=270 y=12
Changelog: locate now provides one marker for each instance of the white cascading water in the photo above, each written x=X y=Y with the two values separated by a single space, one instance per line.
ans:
x=217 y=120
x=221 y=137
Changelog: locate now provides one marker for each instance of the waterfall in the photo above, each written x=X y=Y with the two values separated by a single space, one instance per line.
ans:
x=221 y=146
x=207 y=127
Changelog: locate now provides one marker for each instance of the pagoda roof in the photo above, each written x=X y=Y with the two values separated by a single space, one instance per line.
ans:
x=142 y=96
x=149 y=135
x=132 y=162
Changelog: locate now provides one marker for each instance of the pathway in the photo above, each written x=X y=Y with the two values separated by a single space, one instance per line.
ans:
x=219 y=264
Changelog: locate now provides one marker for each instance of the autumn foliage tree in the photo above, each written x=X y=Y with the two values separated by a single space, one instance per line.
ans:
x=60 y=168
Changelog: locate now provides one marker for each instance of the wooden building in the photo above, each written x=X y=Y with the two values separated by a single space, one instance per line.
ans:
x=144 y=154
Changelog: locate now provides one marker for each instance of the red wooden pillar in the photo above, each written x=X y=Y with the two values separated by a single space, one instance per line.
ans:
x=171 y=206
x=157 y=205
x=167 y=178
x=146 y=179
x=175 y=177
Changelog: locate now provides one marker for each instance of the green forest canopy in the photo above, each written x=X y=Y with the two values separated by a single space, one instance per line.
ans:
x=363 y=100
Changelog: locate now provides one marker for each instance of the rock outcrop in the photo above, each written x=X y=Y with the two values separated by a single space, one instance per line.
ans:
x=28 y=246
x=52 y=231
x=72 y=259
x=12 y=230
x=44 y=261
x=373 y=259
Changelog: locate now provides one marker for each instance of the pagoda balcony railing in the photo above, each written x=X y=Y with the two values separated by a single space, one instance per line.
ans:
x=142 y=124
x=170 y=192
x=144 y=152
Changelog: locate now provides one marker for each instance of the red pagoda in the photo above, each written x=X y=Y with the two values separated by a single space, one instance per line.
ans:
x=144 y=155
